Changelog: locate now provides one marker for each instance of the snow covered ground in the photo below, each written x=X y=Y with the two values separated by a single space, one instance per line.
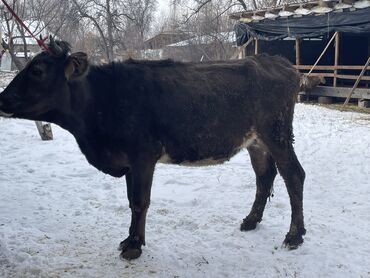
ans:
x=59 y=217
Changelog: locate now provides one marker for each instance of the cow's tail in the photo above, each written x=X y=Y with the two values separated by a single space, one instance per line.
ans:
x=284 y=124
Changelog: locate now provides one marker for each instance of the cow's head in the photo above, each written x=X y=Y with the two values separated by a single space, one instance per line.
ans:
x=42 y=85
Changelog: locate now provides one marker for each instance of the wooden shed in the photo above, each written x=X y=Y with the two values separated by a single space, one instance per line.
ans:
x=324 y=38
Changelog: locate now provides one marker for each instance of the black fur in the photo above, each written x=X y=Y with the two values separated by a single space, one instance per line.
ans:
x=126 y=116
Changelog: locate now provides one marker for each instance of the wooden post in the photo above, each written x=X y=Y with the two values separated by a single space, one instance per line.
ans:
x=297 y=52
x=336 y=59
x=44 y=131
x=240 y=52
x=356 y=83
x=256 y=46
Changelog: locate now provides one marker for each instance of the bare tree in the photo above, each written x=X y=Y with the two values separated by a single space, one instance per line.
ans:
x=13 y=32
x=37 y=15
x=142 y=15
x=199 y=5
x=209 y=27
x=100 y=13
x=118 y=22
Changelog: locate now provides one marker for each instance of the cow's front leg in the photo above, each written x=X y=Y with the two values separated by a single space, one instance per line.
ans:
x=139 y=182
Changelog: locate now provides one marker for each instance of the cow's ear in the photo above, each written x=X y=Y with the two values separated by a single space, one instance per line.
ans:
x=77 y=65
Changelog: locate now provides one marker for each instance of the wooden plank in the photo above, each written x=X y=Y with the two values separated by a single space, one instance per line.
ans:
x=297 y=52
x=325 y=100
x=359 y=93
x=339 y=67
x=256 y=46
x=348 y=1
x=339 y=76
x=352 y=77
x=336 y=59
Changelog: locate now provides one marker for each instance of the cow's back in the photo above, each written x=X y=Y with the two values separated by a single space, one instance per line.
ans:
x=196 y=111
x=209 y=110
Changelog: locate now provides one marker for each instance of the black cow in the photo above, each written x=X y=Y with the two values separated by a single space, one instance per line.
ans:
x=128 y=116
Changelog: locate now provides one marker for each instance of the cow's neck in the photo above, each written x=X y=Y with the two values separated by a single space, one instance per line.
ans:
x=85 y=103
x=80 y=109
x=73 y=113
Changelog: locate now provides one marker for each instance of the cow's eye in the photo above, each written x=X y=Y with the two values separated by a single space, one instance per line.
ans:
x=37 y=71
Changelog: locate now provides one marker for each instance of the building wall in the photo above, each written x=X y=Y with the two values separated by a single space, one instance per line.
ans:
x=31 y=48
x=164 y=39
x=354 y=50
x=196 y=53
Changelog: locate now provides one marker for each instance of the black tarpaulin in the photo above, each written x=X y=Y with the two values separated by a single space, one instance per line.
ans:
x=357 y=21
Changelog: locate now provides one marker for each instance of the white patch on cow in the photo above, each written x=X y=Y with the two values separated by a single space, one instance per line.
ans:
x=165 y=158
x=249 y=139
x=204 y=162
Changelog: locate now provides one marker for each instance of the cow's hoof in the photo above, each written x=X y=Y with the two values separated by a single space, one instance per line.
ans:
x=130 y=254
x=248 y=225
x=130 y=249
x=293 y=241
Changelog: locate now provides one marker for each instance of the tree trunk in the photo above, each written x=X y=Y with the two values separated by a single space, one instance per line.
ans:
x=110 y=31
x=18 y=63
x=44 y=131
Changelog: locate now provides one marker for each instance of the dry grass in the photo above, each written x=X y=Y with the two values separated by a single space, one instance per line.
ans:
x=351 y=107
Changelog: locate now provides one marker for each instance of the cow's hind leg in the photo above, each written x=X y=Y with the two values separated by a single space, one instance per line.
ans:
x=265 y=169
x=293 y=174
x=139 y=182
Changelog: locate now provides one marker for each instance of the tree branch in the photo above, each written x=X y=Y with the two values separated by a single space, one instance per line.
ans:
x=197 y=10
x=242 y=3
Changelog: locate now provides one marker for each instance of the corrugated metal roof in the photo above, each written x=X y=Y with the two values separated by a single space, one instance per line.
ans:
x=300 y=9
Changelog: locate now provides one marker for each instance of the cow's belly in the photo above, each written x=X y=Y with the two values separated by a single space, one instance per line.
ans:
x=114 y=163
x=220 y=157
x=166 y=159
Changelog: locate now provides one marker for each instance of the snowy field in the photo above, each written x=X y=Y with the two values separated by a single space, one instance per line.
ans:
x=59 y=217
